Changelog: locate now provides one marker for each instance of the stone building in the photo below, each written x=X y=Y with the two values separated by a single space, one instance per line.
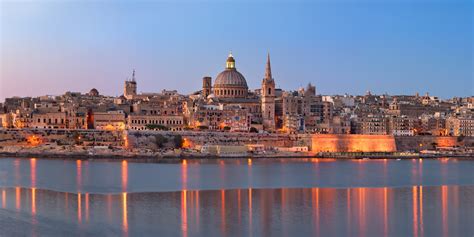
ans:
x=220 y=117
x=6 y=120
x=22 y=118
x=304 y=104
x=51 y=120
x=374 y=124
x=460 y=126
x=152 y=122
x=76 y=120
x=111 y=120
x=403 y=125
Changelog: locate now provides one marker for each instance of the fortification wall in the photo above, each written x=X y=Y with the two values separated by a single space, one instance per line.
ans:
x=37 y=137
x=380 y=143
x=218 y=138
x=352 y=143
x=418 y=143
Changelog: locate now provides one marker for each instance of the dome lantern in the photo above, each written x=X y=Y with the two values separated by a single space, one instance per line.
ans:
x=230 y=63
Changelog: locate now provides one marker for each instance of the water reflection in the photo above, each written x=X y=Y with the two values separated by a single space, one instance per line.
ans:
x=124 y=214
x=116 y=177
x=415 y=210
x=124 y=175
x=17 y=198
x=184 y=174
x=33 y=171
x=269 y=212
x=87 y=207
x=33 y=201
x=184 y=213
x=79 y=174
x=4 y=199
x=444 y=209
x=79 y=208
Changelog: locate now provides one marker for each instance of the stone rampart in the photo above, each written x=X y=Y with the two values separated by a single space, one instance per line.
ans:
x=351 y=143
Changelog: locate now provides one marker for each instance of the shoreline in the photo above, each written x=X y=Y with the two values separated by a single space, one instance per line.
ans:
x=164 y=158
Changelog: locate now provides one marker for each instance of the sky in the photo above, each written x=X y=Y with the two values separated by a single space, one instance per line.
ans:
x=341 y=46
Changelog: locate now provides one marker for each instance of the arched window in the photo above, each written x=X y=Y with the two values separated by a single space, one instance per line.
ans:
x=269 y=91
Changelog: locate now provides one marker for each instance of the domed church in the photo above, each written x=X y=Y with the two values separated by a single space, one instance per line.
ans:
x=230 y=88
x=230 y=83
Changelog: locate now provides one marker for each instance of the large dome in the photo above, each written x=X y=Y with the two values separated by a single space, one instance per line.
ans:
x=230 y=83
x=230 y=78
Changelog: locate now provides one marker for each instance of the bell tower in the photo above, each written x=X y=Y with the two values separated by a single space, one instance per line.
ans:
x=206 y=86
x=268 y=98
x=130 y=87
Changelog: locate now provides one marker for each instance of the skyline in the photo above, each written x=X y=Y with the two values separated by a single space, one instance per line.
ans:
x=341 y=47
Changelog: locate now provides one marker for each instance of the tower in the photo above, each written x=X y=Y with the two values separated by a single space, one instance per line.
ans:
x=268 y=98
x=130 y=88
x=206 y=86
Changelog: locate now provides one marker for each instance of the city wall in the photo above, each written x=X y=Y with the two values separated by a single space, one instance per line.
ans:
x=315 y=142
x=350 y=143
x=59 y=137
x=418 y=143
x=380 y=143
x=217 y=138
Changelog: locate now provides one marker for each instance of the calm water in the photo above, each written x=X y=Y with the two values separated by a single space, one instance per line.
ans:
x=274 y=197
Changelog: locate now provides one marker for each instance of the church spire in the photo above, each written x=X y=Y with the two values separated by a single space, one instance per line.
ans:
x=268 y=69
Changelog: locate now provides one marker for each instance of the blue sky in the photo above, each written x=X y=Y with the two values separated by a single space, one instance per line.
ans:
x=398 y=47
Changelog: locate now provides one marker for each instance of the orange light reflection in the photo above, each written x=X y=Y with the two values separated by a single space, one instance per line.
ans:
x=17 y=198
x=33 y=172
x=385 y=211
x=4 y=199
x=444 y=202
x=223 y=211
x=79 y=208
x=197 y=209
x=33 y=201
x=79 y=174
x=415 y=210
x=184 y=174
x=421 y=211
x=124 y=213
x=239 y=214
x=87 y=207
x=184 y=213
x=124 y=175
x=315 y=204
x=250 y=211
